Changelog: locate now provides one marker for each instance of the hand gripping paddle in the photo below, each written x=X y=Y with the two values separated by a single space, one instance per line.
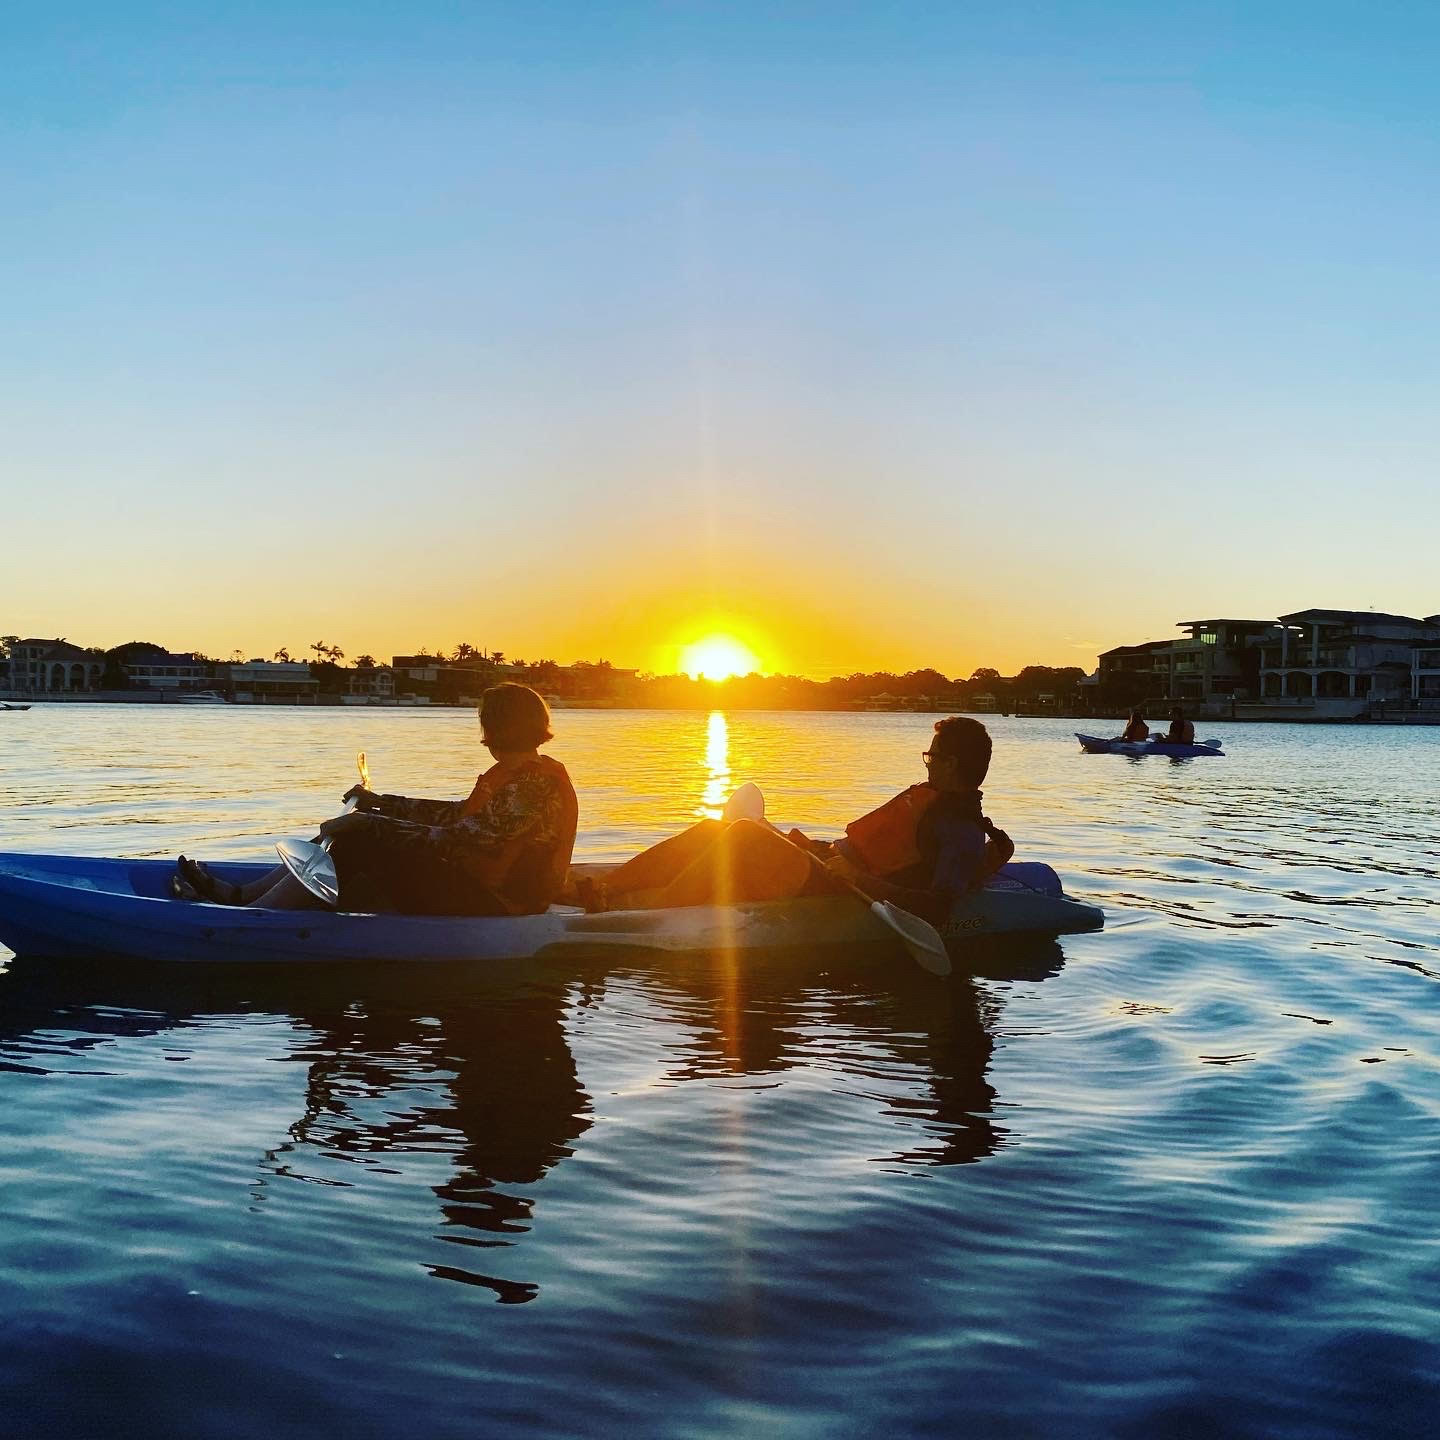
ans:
x=310 y=863
x=919 y=937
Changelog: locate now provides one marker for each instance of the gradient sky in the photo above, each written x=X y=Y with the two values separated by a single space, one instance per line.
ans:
x=879 y=335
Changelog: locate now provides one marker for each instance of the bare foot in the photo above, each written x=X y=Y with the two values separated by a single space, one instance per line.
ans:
x=205 y=885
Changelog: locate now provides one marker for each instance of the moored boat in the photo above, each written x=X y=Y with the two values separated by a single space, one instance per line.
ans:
x=1099 y=745
x=74 y=907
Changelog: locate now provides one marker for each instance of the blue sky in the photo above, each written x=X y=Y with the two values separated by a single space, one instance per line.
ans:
x=876 y=334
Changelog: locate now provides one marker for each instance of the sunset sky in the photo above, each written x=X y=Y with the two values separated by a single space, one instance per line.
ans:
x=870 y=335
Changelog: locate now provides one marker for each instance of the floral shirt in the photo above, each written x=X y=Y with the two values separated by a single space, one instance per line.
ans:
x=513 y=835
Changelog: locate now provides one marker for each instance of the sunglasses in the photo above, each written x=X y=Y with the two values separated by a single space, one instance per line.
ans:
x=931 y=758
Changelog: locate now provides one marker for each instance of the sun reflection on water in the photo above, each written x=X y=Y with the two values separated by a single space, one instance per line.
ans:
x=717 y=764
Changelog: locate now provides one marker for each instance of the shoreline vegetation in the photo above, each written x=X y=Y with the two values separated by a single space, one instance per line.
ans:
x=141 y=672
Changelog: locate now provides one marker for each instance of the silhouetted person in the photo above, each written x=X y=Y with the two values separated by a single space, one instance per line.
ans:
x=1181 y=731
x=1135 y=727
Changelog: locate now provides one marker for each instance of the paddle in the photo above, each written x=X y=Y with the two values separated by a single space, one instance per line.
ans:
x=310 y=863
x=920 y=938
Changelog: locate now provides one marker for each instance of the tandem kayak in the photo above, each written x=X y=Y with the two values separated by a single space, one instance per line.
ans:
x=70 y=907
x=1098 y=745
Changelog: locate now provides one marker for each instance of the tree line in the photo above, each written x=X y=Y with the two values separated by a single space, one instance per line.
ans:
x=600 y=678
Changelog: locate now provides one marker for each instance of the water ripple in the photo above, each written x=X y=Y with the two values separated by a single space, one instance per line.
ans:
x=1174 y=1178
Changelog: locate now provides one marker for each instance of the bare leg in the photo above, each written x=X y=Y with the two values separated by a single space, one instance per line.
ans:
x=662 y=862
x=250 y=892
x=284 y=893
x=745 y=860
x=209 y=886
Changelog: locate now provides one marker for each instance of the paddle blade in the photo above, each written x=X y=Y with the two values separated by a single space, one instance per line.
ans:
x=920 y=937
x=312 y=866
x=364 y=769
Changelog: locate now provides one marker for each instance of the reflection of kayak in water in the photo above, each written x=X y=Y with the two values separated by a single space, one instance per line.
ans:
x=74 y=907
x=1098 y=745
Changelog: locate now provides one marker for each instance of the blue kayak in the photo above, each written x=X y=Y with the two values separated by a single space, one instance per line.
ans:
x=71 y=907
x=1098 y=745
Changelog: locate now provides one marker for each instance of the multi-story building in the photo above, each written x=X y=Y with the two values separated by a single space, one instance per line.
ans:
x=159 y=670
x=1217 y=659
x=1129 y=674
x=51 y=667
x=368 y=683
x=259 y=681
x=1425 y=672
x=1312 y=664
x=1363 y=655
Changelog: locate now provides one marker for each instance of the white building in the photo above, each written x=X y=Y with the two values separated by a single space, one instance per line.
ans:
x=259 y=681
x=163 y=671
x=1361 y=655
x=51 y=667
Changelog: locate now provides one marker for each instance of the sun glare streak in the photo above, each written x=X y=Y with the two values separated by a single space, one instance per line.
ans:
x=718 y=657
x=717 y=791
x=717 y=763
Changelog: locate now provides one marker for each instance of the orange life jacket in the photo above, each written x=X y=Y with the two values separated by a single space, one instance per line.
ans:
x=886 y=839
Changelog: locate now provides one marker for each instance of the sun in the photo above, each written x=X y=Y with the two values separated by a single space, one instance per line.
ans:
x=718 y=657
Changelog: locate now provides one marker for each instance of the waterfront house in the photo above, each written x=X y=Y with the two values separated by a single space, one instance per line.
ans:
x=160 y=670
x=369 y=684
x=273 y=682
x=1218 y=659
x=51 y=667
x=1346 y=655
x=1425 y=673
x=1129 y=674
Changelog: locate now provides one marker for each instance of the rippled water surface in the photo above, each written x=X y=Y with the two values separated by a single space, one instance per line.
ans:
x=1176 y=1178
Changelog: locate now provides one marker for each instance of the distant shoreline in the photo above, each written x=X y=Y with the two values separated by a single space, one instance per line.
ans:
x=158 y=699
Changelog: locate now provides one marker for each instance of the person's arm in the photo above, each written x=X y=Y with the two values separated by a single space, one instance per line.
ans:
x=403 y=807
x=999 y=848
x=355 y=820
x=928 y=904
x=965 y=861
x=516 y=808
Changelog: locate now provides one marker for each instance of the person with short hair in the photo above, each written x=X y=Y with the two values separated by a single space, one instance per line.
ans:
x=921 y=850
x=503 y=850
x=932 y=843
x=1181 y=731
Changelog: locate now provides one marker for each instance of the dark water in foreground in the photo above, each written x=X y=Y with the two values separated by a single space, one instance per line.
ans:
x=1178 y=1178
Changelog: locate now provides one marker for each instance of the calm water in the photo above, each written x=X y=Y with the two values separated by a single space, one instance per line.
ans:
x=1177 y=1178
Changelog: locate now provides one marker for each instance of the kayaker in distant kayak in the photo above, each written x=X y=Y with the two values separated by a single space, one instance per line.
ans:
x=920 y=850
x=1181 y=731
x=1135 y=727
x=504 y=850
